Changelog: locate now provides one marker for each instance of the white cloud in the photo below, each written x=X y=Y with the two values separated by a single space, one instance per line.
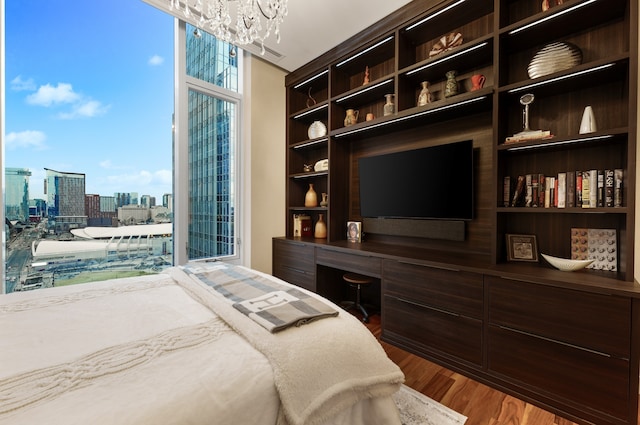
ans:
x=105 y=164
x=156 y=60
x=18 y=84
x=48 y=95
x=85 y=109
x=25 y=139
x=142 y=178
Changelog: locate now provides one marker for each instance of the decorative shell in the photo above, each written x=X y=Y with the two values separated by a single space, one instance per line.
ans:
x=554 y=57
x=565 y=264
x=446 y=42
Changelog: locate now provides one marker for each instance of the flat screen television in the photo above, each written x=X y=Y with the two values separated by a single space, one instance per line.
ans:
x=435 y=182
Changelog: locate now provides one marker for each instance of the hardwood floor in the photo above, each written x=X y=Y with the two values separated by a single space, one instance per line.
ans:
x=480 y=403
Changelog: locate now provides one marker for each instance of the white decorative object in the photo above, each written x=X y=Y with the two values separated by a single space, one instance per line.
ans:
x=566 y=264
x=317 y=129
x=588 y=123
x=322 y=165
x=253 y=20
x=554 y=57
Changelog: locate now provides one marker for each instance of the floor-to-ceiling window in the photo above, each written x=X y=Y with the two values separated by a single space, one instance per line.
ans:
x=208 y=99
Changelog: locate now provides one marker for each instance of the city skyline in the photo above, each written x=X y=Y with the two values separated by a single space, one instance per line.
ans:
x=90 y=90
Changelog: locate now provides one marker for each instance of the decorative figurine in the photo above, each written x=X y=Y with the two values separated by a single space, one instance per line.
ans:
x=366 y=76
x=310 y=99
x=425 y=95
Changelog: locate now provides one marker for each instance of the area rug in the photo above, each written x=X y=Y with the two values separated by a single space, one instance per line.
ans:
x=418 y=409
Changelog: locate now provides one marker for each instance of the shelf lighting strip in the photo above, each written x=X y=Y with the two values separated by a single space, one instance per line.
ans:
x=562 y=77
x=310 y=111
x=451 y=6
x=364 y=51
x=555 y=15
x=430 y=111
x=562 y=142
x=308 y=80
x=382 y=83
x=311 y=143
x=462 y=52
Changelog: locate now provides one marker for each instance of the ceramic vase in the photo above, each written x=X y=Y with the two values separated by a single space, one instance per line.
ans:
x=588 y=123
x=320 y=231
x=351 y=117
x=451 y=86
x=389 y=106
x=325 y=200
x=425 y=94
x=311 y=198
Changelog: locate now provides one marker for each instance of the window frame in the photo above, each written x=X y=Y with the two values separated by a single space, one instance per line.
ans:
x=182 y=85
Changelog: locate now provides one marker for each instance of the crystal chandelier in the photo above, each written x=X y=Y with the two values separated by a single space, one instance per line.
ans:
x=254 y=20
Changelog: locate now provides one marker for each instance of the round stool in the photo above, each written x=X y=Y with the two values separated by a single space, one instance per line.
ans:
x=357 y=281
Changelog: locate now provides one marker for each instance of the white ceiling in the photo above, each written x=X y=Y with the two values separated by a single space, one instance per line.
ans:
x=313 y=27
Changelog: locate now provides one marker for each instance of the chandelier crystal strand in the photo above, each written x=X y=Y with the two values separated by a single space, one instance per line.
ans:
x=215 y=16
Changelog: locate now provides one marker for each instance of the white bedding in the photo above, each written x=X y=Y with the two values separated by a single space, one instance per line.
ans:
x=143 y=351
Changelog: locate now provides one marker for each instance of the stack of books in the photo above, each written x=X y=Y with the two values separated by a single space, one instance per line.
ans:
x=570 y=189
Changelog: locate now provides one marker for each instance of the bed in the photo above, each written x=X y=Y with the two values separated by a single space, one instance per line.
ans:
x=195 y=344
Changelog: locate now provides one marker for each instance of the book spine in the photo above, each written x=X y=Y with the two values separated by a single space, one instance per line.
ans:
x=535 y=196
x=506 y=191
x=585 y=189
x=541 y=190
x=593 y=188
x=608 y=188
x=528 y=199
x=579 y=189
x=600 y=197
x=547 y=192
x=571 y=189
x=562 y=190
x=618 y=176
x=518 y=192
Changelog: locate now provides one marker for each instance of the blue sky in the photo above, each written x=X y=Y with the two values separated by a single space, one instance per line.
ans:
x=90 y=90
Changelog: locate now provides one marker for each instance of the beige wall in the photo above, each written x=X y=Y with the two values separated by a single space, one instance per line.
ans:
x=266 y=137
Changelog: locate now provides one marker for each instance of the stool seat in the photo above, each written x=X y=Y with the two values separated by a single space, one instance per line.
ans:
x=357 y=281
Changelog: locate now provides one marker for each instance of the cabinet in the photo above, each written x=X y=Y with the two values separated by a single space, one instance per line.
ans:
x=563 y=345
x=295 y=263
x=567 y=341
x=499 y=40
x=605 y=33
x=433 y=311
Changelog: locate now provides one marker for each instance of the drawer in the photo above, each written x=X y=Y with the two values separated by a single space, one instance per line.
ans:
x=594 y=321
x=566 y=374
x=431 y=331
x=451 y=290
x=294 y=262
x=293 y=254
x=364 y=264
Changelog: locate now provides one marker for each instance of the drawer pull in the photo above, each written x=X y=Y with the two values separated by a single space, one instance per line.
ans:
x=566 y=344
x=295 y=270
x=428 y=307
x=410 y=263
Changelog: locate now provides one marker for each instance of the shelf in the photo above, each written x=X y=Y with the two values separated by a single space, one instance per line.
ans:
x=312 y=113
x=309 y=175
x=466 y=56
x=310 y=144
x=573 y=210
x=605 y=136
x=592 y=73
x=375 y=90
x=453 y=107
x=560 y=21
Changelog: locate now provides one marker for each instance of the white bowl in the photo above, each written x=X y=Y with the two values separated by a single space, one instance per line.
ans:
x=565 y=264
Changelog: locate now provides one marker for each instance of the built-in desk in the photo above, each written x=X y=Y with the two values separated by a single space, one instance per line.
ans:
x=567 y=342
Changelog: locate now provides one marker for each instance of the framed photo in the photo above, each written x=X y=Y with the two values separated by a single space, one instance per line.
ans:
x=522 y=248
x=354 y=231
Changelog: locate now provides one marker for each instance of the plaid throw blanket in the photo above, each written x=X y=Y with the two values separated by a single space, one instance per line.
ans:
x=272 y=305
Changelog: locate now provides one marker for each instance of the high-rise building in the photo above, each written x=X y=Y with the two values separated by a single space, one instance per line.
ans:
x=148 y=201
x=167 y=201
x=125 y=198
x=211 y=149
x=16 y=197
x=65 y=200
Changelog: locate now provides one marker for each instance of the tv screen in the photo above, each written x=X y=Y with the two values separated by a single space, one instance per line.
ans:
x=432 y=183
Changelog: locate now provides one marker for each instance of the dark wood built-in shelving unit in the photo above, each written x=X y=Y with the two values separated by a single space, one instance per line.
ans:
x=566 y=341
